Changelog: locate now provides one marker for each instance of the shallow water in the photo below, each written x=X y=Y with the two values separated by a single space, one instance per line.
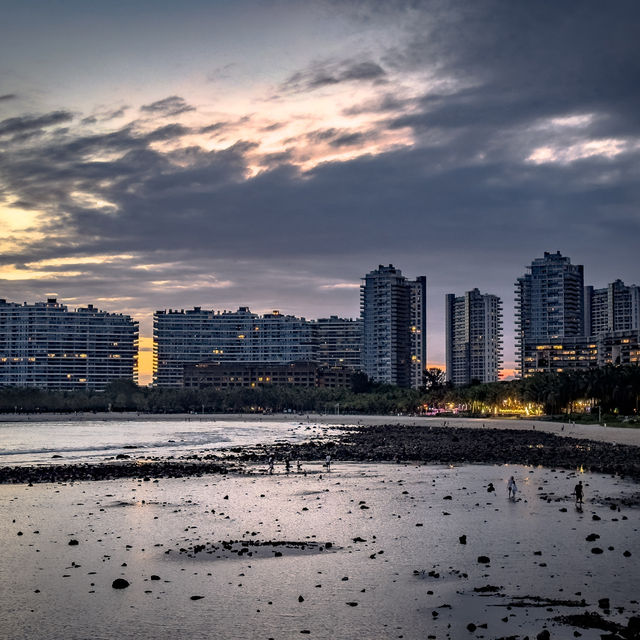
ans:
x=92 y=440
x=410 y=526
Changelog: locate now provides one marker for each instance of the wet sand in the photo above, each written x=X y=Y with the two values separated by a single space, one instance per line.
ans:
x=363 y=551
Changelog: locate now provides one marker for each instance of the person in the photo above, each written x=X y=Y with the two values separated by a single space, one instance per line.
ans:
x=512 y=488
x=327 y=462
x=271 y=461
x=287 y=463
x=579 y=492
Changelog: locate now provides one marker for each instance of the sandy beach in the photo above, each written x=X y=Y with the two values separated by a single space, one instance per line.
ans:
x=211 y=545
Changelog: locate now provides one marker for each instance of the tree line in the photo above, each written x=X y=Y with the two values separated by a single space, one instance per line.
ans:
x=609 y=390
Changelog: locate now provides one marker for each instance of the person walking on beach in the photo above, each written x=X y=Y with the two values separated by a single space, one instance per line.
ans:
x=327 y=462
x=512 y=488
x=271 y=462
x=579 y=493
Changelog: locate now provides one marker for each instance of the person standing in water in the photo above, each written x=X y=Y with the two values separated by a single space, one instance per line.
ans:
x=512 y=488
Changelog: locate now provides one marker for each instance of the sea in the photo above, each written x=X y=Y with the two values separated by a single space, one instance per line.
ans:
x=36 y=442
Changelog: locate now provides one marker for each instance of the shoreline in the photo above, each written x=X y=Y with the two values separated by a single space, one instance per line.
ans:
x=378 y=443
x=598 y=433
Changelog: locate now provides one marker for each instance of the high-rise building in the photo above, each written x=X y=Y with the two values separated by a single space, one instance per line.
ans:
x=549 y=304
x=196 y=335
x=47 y=346
x=473 y=337
x=612 y=308
x=418 y=302
x=337 y=342
x=393 y=312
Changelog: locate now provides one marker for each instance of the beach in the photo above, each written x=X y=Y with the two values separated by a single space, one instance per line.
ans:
x=365 y=549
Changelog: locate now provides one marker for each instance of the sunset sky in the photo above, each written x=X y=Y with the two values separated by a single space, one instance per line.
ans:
x=159 y=154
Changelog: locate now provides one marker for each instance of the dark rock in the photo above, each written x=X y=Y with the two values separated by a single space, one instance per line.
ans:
x=484 y=559
x=73 y=543
x=543 y=635
x=633 y=626
x=596 y=550
x=462 y=539
x=300 y=599
x=627 y=554
x=154 y=577
x=604 y=603
x=197 y=597
x=120 y=583
x=352 y=604
x=471 y=627
x=592 y=537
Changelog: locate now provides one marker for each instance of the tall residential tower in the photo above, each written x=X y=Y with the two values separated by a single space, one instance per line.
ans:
x=393 y=311
x=473 y=337
x=549 y=306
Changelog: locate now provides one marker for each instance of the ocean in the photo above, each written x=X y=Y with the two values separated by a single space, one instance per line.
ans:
x=36 y=442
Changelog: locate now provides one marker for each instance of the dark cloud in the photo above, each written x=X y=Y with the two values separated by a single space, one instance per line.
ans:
x=23 y=124
x=171 y=106
x=8 y=96
x=322 y=75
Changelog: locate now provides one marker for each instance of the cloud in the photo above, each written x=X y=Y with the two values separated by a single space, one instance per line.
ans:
x=8 y=96
x=31 y=124
x=321 y=75
x=171 y=106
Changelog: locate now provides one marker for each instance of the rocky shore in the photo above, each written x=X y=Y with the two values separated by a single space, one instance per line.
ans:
x=372 y=443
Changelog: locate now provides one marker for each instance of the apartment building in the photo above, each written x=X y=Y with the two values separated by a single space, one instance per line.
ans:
x=49 y=346
x=473 y=333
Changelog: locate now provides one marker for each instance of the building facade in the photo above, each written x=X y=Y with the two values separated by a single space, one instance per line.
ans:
x=46 y=345
x=197 y=335
x=393 y=312
x=612 y=308
x=337 y=342
x=549 y=304
x=580 y=353
x=473 y=337
x=231 y=375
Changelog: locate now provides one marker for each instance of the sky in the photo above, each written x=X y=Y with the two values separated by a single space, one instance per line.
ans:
x=157 y=155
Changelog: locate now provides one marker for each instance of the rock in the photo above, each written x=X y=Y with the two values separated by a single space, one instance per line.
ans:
x=197 y=597
x=73 y=543
x=604 y=603
x=596 y=550
x=154 y=577
x=592 y=537
x=543 y=635
x=490 y=488
x=471 y=627
x=634 y=625
x=300 y=599
x=484 y=559
x=352 y=604
x=120 y=583
x=627 y=554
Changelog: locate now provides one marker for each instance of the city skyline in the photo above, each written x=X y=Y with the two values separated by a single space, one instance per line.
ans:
x=270 y=154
